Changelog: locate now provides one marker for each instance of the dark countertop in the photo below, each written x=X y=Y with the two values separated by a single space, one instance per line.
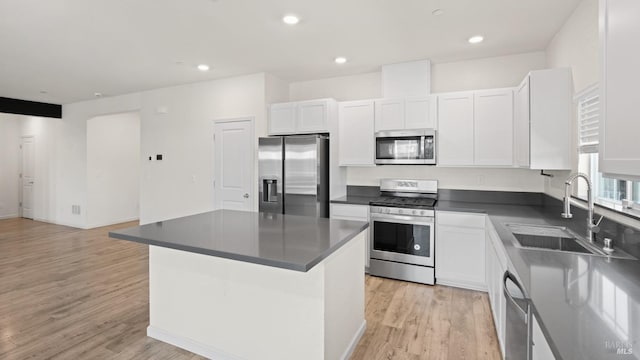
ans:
x=587 y=306
x=284 y=241
x=354 y=199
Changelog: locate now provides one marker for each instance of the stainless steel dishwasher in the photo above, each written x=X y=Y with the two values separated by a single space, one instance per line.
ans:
x=518 y=316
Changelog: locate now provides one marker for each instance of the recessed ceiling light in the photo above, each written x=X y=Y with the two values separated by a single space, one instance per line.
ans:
x=437 y=12
x=97 y=94
x=290 y=19
x=340 y=60
x=203 y=67
x=476 y=39
x=44 y=92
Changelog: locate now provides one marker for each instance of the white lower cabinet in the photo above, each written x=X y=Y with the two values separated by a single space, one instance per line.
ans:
x=540 y=349
x=355 y=213
x=496 y=266
x=460 y=250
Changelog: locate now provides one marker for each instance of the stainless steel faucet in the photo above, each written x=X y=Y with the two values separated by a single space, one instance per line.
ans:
x=592 y=228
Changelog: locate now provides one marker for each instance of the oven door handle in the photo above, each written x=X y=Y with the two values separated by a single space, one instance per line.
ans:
x=410 y=220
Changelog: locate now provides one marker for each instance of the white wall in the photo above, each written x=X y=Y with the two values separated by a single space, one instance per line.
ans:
x=503 y=71
x=181 y=184
x=113 y=169
x=486 y=73
x=576 y=45
x=71 y=174
x=10 y=132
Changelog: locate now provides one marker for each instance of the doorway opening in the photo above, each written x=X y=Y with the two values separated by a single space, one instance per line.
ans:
x=27 y=176
x=113 y=169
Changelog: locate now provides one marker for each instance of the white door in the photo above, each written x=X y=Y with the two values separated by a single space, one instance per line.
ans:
x=28 y=176
x=389 y=115
x=521 y=124
x=493 y=124
x=418 y=113
x=619 y=127
x=312 y=116
x=455 y=129
x=234 y=165
x=355 y=133
x=282 y=118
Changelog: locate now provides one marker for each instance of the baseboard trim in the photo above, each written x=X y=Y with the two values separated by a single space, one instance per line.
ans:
x=10 y=216
x=119 y=221
x=354 y=342
x=190 y=345
x=462 y=284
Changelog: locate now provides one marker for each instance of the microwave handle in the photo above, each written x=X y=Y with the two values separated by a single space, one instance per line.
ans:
x=422 y=145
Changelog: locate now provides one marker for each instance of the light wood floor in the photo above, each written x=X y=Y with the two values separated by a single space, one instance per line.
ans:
x=77 y=294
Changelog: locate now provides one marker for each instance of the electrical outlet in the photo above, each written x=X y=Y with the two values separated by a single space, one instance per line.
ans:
x=75 y=209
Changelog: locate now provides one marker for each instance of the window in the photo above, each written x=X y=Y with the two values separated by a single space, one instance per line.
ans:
x=617 y=194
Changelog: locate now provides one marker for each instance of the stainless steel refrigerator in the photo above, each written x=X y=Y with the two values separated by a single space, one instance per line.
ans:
x=294 y=175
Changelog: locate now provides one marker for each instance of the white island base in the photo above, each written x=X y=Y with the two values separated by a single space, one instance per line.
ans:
x=230 y=309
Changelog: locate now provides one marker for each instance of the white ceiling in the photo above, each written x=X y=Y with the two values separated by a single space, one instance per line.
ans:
x=73 y=48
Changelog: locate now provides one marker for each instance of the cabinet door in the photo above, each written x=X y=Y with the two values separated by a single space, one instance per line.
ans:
x=282 y=118
x=620 y=124
x=521 y=124
x=356 y=135
x=493 y=124
x=418 y=113
x=312 y=116
x=355 y=213
x=460 y=250
x=455 y=129
x=540 y=349
x=389 y=115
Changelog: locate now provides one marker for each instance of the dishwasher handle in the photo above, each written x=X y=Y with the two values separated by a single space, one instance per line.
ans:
x=509 y=277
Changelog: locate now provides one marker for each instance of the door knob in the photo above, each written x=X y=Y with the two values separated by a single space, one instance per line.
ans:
x=246 y=196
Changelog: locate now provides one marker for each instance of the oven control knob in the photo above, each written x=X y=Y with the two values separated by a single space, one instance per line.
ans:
x=400 y=211
x=414 y=212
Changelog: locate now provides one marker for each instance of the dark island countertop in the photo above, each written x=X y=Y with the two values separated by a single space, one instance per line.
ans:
x=587 y=306
x=285 y=241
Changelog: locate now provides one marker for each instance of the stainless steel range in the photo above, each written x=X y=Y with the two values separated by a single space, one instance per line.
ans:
x=403 y=230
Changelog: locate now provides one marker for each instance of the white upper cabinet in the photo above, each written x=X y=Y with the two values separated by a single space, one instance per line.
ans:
x=455 y=129
x=493 y=127
x=543 y=120
x=282 y=118
x=301 y=117
x=405 y=114
x=389 y=115
x=312 y=116
x=419 y=113
x=356 y=134
x=620 y=76
x=521 y=124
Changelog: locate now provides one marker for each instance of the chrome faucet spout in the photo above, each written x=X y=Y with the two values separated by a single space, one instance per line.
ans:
x=591 y=227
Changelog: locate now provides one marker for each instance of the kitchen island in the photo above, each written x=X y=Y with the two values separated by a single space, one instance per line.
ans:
x=244 y=285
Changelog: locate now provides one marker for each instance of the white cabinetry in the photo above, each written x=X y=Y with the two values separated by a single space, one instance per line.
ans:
x=540 y=349
x=301 y=117
x=460 y=250
x=496 y=266
x=282 y=118
x=493 y=127
x=404 y=114
x=476 y=128
x=356 y=135
x=356 y=213
x=455 y=129
x=543 y=116
x=620 y=75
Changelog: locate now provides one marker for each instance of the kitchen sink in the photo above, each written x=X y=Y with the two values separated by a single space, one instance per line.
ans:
x=557 y=238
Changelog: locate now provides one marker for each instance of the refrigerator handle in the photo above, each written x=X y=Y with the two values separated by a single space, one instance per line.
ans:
x=270 y=187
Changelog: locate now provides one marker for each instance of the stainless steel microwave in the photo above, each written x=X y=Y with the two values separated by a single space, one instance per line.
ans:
x=406 y=147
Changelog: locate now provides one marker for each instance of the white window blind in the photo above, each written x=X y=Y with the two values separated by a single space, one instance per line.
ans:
x=588 y=120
